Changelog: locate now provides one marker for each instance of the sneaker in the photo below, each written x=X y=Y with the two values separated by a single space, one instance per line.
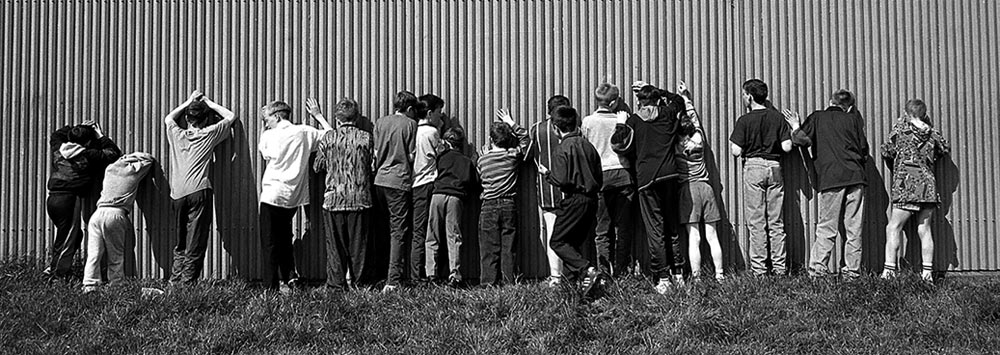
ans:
x=720 y=277
x=850 y=275
x=455 y=282
x=89 y=289
x=284 y=289
x=553 y=281
x=389 y=288
x=927 y=276
x=590 y=281
x=150 y=292
x=888 y=274
x=663 y=286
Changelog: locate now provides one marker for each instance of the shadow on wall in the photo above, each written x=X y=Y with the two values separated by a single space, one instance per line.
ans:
x=236 y=203
x=796 y=168
x=732 y=251
x=946 y=254
x=153 y=198
x=875 y=218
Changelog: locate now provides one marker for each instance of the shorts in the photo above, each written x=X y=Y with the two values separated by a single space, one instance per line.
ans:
x=697 y=203
x=914 y=206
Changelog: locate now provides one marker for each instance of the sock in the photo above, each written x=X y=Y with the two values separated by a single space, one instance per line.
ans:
x=928 y=268
x=889 y=267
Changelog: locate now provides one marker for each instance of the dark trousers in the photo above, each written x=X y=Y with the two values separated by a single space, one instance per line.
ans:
x=193 y=221
x=421 y=204
x=398 y=203
x=614 y=229
x=346 y=241
x=659 y=213
x=64 y=209
x=276 y=244
x=575 y=219
x=497 y=235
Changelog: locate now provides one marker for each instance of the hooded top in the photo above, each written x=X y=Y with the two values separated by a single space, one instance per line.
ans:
x=654 y=134
x=75 y=167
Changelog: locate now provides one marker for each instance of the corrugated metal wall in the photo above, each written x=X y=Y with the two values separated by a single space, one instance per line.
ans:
x=127 y=63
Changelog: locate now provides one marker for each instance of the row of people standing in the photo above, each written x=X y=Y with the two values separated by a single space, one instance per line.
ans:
x=591 y=169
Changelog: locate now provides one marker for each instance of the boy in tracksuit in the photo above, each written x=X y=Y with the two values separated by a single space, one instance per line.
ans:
x=457 y=179
x=576 y=170
x=497 y=166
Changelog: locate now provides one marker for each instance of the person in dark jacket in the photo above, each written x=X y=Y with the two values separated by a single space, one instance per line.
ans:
x=457 y=180
x=655 y=126
x=576 y=171
x=840 y=149
x=79 y=154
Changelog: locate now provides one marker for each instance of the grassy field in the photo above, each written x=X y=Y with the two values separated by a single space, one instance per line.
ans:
x=787 y=315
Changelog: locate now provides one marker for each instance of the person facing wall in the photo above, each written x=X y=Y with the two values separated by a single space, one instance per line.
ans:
x=190 y=189
x=284 y=187
x=840 y=149
x=424 y=172
x=761 y=137
x=346 y=154
x=545 y=141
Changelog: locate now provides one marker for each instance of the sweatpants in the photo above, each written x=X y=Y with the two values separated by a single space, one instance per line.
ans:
x=107 y=233
x=346 y=241
x=444 y=224
x=193 y=221
x=574 y=225
x=276 y=244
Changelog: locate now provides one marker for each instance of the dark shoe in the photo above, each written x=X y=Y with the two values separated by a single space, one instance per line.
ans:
x=591 y=282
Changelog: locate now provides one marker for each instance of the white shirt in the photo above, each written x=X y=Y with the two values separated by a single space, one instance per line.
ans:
x=286 y=148
x=425 y=161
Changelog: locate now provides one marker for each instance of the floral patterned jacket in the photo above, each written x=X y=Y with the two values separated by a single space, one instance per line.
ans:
x=912 y=152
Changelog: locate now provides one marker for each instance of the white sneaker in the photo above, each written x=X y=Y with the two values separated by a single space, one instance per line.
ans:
x=553 y=281
x=679 y=281
x=389 y=288
x=89 y=288
x=720 y=277
x=663 y=286
x=888 y=274
x=927 y=276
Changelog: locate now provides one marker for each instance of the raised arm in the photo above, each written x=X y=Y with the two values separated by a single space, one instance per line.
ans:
x=171 y=117
x=57 y=138
x=228 y=117
x=103 y=150
x=312 y=106
x=799 y=137
x=523 y=140
x=688 y=103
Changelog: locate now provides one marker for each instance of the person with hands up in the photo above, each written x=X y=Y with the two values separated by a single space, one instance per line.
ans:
x=193 y=136
x=285 y=185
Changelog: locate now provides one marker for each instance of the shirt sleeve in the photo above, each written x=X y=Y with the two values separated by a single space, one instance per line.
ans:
x=218 y=132
x=738 y=136
x=523 y=141
x=314 y=136
x=264 y=146
x=784 y=130
x=319 y=164
x=559 y=171
x=803 y=137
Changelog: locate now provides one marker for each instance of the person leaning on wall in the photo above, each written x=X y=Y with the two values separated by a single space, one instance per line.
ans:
x=192 y=138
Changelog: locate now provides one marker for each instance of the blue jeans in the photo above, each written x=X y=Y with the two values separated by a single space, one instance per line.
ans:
x=764 y=196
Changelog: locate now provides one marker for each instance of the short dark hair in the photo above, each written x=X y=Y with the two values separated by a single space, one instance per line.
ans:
x=418 y=110
x=433 y=101
x=197 y=113
x=502 y=135
x=346 y=110
x=556 y=101
x=404 y=99
x=757 y=89
x=916 y=108
x=455 y=136
x=565 y=117
x=81 y=134
x=842 y=98
x=606 y=93
x=648 y=95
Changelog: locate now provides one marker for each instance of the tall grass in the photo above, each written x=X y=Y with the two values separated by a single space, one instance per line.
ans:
x=741 y=315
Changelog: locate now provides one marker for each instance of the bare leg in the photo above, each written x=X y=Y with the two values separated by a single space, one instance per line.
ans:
x=694 y=249
x=893 y=230
x=712 y=237
x=926 y=242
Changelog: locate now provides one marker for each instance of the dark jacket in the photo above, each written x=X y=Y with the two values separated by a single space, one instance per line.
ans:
x=457 y=175
x=839 y=147
x=79 y=172
x=654 y=134
x=576 y=166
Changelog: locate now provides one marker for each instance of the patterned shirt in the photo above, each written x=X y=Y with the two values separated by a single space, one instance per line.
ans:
x=911 y=152
x=345 y=153
x=498 y=167
x=544 y=143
